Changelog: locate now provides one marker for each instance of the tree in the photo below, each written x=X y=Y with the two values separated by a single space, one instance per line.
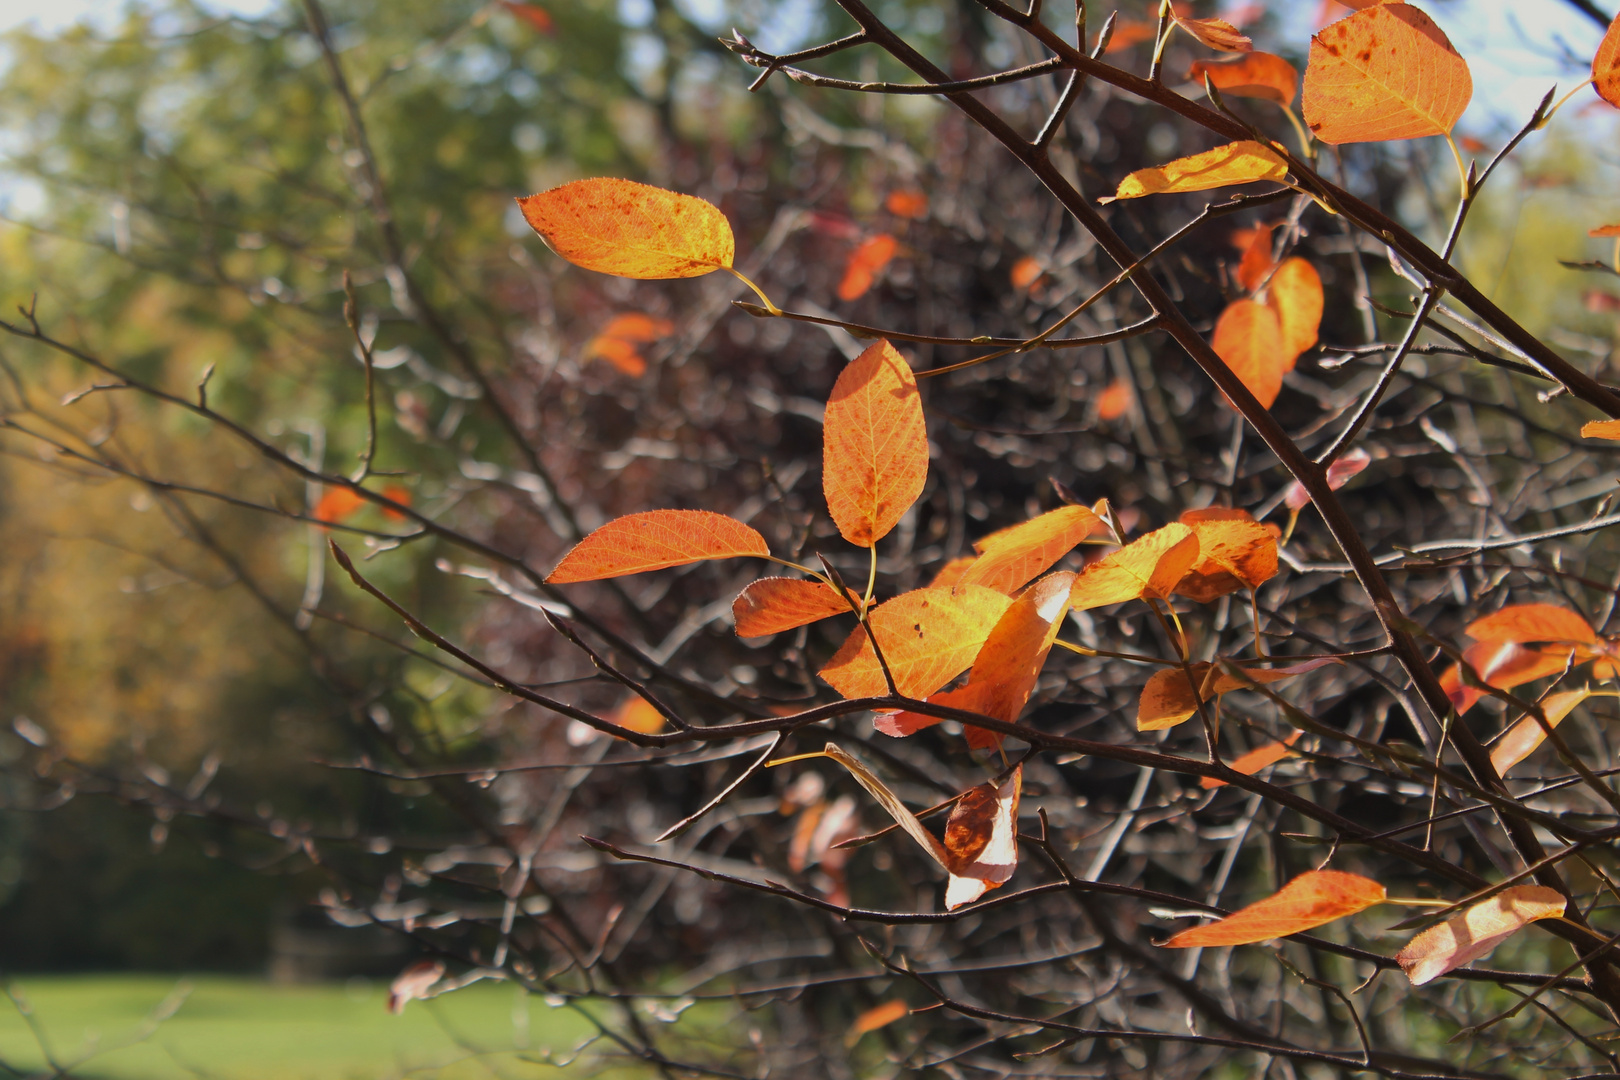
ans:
x=1281 y=712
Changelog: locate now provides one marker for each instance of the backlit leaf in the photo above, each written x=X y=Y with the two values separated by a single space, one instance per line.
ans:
x=1149 y=567
x=875 y=445
x=1475 y=931
x=336 y=505
x=1248 y=338
x=1313 y=898
x=874 y=1018
x=981 y=840
x=889 y=801
x=929 y=637
x=1256 y=262
x=1216 y=33
x=1601 y=429
x=1256 y=75
x=1606 y=65
x=1010 y=558
x=1387 y=72
x=1235 y=163
x=1168 y=700
x=636 y=713
x=1259 y=758
x=1007 y=665
x=771 y=605
x=865 y=263
x=1339 y=474
x=630 y=229
x=1503 y=665
x=1295 y=294
x=1235 y=552
x=1532 y=622
x=951 y=573
x=1523 y=737
x=656 y=539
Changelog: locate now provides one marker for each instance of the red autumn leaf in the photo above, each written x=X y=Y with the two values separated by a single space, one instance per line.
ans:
x=771 y=605
x=1256 y=262
x=1149 y=567
x=1259 y=758
x=1128 y=32
x=929 y=637
x=981 y=840
x=536 y=16
x=1313 y=898
x=1010 y=558
x=1339 y=474
x=1257 y=75
x=1007 y=664
x=907 y=203
x=1218 y=34
x=1115 y=400
x=865 y=262
x=1606 y=65
x=337 y=505
x=1295 y=294
x=397 y=494
x=1476 y=930
x=1248 y=338
x=875 y=445
x=655 y=540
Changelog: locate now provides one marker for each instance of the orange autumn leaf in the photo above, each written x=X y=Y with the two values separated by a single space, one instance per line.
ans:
x=1295 y=295
x=637 y=714
x=1601 y=429
x=1115 y=400
x=1218 y=34
x=981 y=840
x=907 y=203
x=1248 y=338
x=536 y=16
x=1167 y=698
x=1256 y=75
x=1606 y=230
x=1532 y=622
x=1606 y=65
x=951 y=573
x=1503 y=665
x=1476 y=930
x=654 y=540
x=396 y=494
x=1386 y=72
x=1313 y=898
x=1010 y=558
x=1259 y=758
x=1522 y=738
x=1147 y=568
x=618 y=340
x=1128 y=32
x=1007 y=664
x=1235 y=163
x=874 y=1018
x=337 y=505
x=771 y=605
x=1235 y=552
x=1024 y=272
x=864 y=264
x=630 y=229
x=1256 y=262
x=929 y=637
x=875 y=445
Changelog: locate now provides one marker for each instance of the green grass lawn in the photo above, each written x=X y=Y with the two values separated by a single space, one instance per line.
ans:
x=247 y=1029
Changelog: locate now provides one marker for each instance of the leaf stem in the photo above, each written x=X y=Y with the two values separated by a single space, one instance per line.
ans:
x=1462 y=171
x=740 y=276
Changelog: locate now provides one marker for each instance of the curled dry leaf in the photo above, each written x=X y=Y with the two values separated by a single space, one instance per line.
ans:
x=1339 y=473
x=1218 y=34
x=1256 y=262
x=1007 y=665
x=874 y=445
x=877 y=1017
x=771 y=605
x=1167 y=698
x=1235 y=163
x=1386 y=72
x=1295 y=294
x=1606 y=66
x=1259 y=758
x=865 y=263
x=1313 y=898
x=1011 y=557
x=1149 y=567
x=1256 y=75
x=1476 y=930
x=654 y=540
x=630 y=229
x=1234 y=552
x=929 y=637
x=889 y=801
x=1248 y=338
x=1601 y=429
x=1522 y=738
x=981 y=840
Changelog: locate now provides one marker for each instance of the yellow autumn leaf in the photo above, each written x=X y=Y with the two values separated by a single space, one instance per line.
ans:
x=1235 y=163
